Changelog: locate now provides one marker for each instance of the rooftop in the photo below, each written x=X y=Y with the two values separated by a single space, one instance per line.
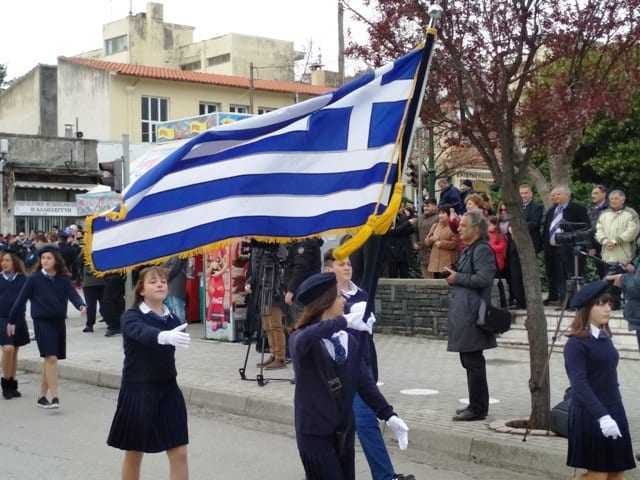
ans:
x=174 y=74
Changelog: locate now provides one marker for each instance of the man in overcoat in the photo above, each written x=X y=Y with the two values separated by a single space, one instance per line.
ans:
x=470 y=283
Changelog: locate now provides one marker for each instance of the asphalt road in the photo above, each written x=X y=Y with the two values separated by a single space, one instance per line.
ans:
x=69 y=444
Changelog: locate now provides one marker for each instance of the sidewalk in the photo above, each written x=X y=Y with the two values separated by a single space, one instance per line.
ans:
x=208 y=374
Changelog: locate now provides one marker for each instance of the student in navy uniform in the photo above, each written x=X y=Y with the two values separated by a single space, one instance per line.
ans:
x=329 y=371
x=367 y=426
x=12 y=336
x=599 y=439
x=49 y=289
x=151 y=415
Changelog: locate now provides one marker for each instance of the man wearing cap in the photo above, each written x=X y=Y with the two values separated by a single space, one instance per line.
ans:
x=466 y=189
x=470 y=284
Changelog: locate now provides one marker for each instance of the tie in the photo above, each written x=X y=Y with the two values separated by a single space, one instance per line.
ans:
x=555 y=224
x=341 y=355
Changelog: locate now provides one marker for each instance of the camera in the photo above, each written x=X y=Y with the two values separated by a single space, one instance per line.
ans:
x=615 y=268
x=575 y=234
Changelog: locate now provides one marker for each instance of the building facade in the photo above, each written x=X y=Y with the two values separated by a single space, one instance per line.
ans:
x=40 y=179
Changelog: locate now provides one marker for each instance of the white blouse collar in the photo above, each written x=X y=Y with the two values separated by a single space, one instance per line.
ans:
x=144 y=308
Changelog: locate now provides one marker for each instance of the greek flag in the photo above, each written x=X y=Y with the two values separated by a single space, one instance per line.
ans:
x=319 y=166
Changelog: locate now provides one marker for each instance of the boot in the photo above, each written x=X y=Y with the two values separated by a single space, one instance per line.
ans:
x=14 y=388
x=267 y=361
x=6 y=388
x=278 y=350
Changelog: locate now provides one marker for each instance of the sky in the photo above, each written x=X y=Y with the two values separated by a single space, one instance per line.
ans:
x=38 y=31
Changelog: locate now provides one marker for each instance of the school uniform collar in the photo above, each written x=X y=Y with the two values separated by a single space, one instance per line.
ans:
x=353 y=289
x=46 y=275
x=11 y=277
x=343 y=337
x=144 y=308
x=595 y=331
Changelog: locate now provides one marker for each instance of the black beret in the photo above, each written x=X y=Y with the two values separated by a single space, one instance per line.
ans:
x=48 y=248
x=468 y=183
x=314 y=286
x=588 y=293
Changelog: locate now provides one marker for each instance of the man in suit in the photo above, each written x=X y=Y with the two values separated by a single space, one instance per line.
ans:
x=450 y=195
x=558 y=258
x=533 y=213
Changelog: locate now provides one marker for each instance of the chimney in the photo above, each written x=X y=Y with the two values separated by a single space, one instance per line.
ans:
x=155 y=11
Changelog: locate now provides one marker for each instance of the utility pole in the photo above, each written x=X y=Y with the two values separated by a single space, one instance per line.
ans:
x=126 y=173
x=431 y=166
x=251 y=88
x=340 y=43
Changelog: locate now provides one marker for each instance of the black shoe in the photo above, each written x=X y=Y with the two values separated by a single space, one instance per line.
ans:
x=468 y=416
x=102 y=320
x=43 y=402
x=112 y=332
x=14 y=388
x=55 y=403
x=551 y=302
x=400 y=476
x=87 y=329
x=460 y=410
x=7 y=392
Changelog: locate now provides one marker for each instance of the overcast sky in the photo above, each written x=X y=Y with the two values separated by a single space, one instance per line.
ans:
x=38 y=31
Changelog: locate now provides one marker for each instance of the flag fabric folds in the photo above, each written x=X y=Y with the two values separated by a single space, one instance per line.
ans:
x=323 y=165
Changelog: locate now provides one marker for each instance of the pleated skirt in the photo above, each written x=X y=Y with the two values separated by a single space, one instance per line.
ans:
x=591 y=450
x=149 y=418
x=51 y=337
x=19 y=339
x=320 y=458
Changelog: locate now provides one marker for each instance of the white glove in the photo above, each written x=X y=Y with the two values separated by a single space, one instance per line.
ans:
x=355 y=317
x=609 y=427
x=175 y=337
x=400 y=430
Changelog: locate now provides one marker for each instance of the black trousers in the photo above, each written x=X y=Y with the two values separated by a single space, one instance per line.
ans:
x=514 y=279
x=93 y=295
x=638 y=335
x=113 y=301
x=560 y=267
x=475 y=365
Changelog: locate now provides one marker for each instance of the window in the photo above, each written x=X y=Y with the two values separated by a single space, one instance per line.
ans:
x=207 y=107
x=154 y=110
x=218 y=59
x=239 y=108
x=116 y=45
x=263 y=110
x=191 y=66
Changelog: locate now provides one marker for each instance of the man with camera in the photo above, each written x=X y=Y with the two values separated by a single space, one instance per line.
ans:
x=558 y=257
x=470 y=283
x=617 y=230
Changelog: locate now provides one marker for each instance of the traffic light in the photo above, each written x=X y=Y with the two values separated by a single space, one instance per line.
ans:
x=112 y=174
x=412 y=174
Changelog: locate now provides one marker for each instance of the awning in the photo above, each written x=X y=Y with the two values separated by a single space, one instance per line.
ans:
x=56 y=186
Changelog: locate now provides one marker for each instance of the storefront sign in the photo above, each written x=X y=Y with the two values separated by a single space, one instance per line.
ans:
x=45 y=209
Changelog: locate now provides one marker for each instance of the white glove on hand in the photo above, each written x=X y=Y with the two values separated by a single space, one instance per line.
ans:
x=609 y=427
x=355 y=317
x=400 y=430
x=175 y=337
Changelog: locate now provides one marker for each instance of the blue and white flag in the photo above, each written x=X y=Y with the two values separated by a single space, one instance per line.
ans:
x=300 y=171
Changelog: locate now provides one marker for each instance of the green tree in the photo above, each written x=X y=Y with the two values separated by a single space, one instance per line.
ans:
x=3 y=74
x=610 y=153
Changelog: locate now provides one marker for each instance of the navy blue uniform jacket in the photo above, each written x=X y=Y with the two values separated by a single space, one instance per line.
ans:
x=146 y=361
x=316 y=412
x=49 y=297
x=9 y=291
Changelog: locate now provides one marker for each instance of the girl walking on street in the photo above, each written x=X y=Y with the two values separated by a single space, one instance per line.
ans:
x=12 y=335
x=49 y=290
x=151 y=415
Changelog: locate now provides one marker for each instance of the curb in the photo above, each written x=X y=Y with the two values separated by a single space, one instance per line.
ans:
x=494 y=452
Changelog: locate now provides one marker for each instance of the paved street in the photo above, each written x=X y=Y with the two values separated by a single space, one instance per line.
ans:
x=70 y=444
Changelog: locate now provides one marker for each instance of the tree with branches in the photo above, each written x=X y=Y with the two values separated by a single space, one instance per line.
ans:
x=512 y=79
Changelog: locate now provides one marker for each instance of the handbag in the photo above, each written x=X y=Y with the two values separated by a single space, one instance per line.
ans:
x=491 y=319
x=560 y=416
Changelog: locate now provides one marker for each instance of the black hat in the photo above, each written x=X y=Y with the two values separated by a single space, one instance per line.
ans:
x=467 y=183
x=588 y=293
x=314 y=286
x=48 y=248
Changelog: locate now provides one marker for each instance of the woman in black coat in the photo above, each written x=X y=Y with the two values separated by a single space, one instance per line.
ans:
x=12 y=336
x=329 y=370
x=151 y=415
x=599 y=439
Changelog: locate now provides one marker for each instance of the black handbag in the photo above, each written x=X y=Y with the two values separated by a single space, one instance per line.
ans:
x=560 y=416
x=493 y=320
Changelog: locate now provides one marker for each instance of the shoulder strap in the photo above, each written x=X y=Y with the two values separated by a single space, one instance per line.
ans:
x=327 y=372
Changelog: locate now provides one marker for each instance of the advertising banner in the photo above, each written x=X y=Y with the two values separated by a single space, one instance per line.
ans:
x=90 y=203
x=192 y=126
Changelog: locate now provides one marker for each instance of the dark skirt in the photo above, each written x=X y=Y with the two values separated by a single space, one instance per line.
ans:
x=51 y=337
x=20 y=338
x=149 y=418
x=320 y=457
x=591 y=450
